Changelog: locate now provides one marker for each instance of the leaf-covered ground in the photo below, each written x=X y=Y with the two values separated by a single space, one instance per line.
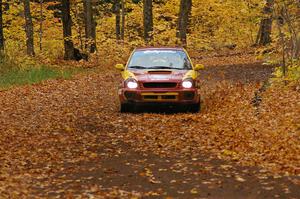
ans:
x=66 y=138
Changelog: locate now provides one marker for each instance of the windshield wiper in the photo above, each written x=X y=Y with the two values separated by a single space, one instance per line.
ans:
x=137 y=67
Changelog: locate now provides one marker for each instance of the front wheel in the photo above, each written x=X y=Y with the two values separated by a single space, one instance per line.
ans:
x=127 y=108
x=194 y=108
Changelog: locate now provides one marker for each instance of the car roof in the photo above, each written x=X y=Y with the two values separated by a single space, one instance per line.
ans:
x=159 y=48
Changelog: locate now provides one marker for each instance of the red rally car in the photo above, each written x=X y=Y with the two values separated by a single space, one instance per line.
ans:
x=159 y=76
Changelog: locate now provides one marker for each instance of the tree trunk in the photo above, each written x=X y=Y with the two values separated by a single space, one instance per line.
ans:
x=90 y=26
x=183 y=20
x=67 y=30
x=148 y=21
x=28 y=28
x=41 y=25
x=1 y=27
x=117 y=9
x=292 y=27
x=123 y=20
x=93 y=36
x=265 y=30
x=78 y=16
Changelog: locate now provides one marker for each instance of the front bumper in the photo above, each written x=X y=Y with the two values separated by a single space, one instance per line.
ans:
x=150 y=96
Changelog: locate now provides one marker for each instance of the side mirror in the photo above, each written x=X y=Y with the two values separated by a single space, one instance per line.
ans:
x=199 y=67
x=120 y=67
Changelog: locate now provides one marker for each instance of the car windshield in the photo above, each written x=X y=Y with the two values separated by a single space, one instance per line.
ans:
x=160 y=59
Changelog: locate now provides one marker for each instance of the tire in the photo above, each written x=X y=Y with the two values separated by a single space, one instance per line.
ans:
x=195 y=108
x=127 y=108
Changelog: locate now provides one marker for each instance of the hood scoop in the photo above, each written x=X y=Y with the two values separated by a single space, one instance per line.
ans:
x=159 y=72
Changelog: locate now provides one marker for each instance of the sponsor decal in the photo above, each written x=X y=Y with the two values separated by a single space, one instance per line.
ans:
x=159 y=77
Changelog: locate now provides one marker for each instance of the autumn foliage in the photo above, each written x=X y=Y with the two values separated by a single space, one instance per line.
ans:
x=54 y=129
x=46 y=126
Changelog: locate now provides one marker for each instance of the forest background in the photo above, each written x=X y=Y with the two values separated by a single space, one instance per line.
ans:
x=42 y=33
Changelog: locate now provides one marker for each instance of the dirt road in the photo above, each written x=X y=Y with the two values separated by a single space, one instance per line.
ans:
x=66 y=139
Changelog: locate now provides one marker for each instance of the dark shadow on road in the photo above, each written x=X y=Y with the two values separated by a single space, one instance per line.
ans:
x=241 y=73
x=120 y=167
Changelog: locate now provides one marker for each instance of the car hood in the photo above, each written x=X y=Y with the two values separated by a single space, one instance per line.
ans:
x=160 y=75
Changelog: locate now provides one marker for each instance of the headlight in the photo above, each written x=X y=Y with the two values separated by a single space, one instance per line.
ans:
x=188 y=83
x=131 y=83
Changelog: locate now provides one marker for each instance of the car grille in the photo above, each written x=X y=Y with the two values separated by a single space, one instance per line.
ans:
x=152 y=97
x=157 y=97
x=160 y=85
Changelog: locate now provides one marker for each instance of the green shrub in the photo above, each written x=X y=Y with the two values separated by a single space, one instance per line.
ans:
x=31 y=75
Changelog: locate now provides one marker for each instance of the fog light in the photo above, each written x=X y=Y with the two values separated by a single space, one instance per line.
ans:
x=188 y=95
x=130 y=95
